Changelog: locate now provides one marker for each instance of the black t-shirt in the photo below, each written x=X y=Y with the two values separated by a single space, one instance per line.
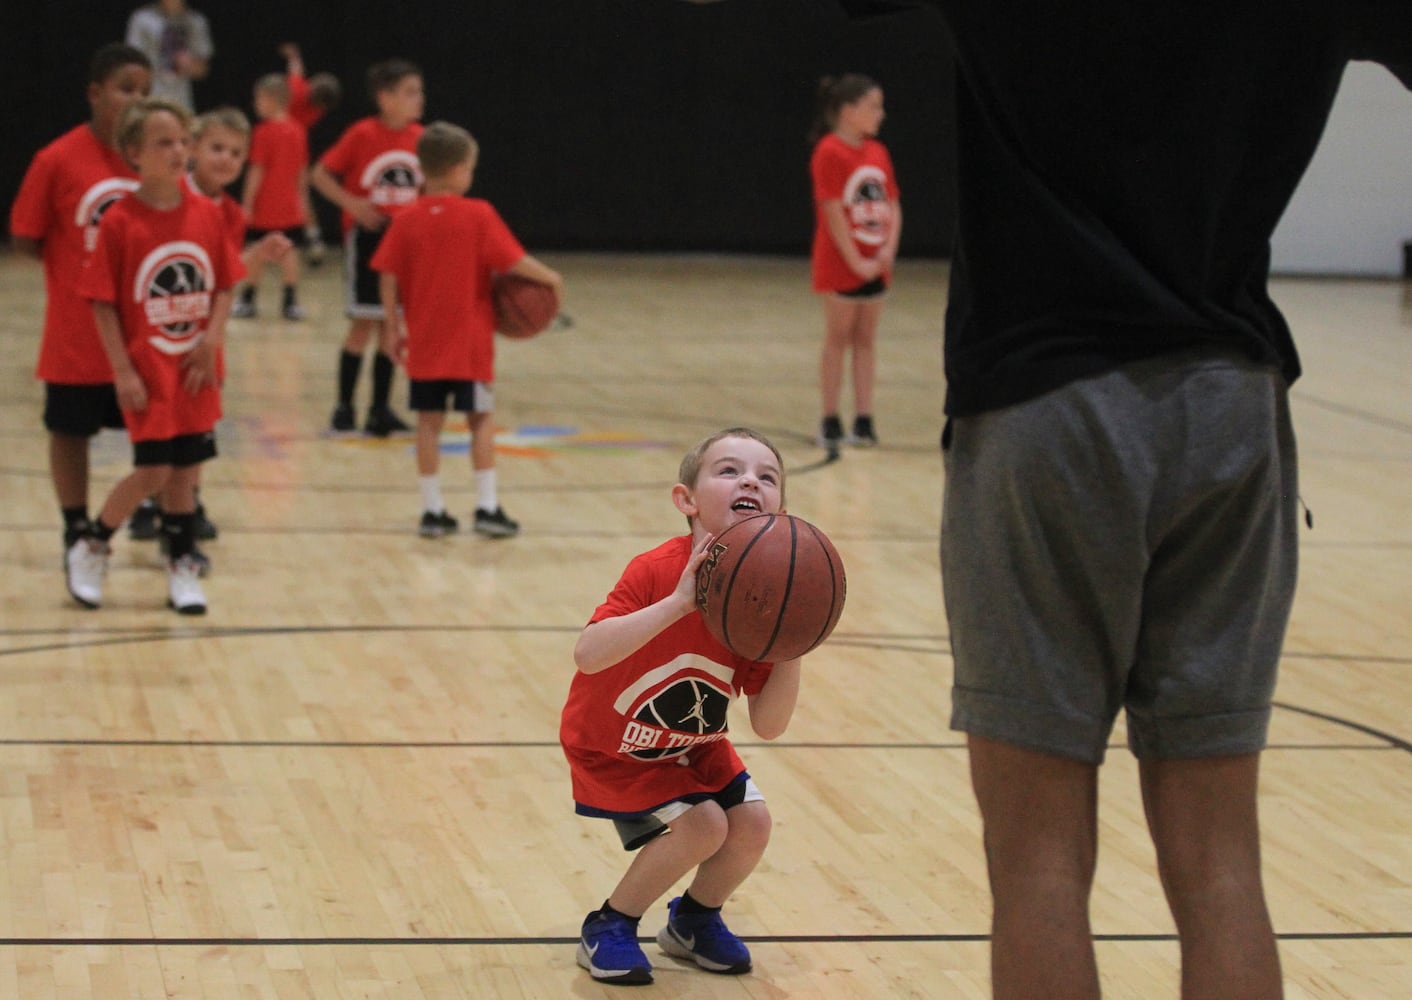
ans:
x=1122 y=165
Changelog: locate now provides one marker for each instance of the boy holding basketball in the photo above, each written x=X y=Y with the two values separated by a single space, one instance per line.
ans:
x=644 y=728
x=445 y=297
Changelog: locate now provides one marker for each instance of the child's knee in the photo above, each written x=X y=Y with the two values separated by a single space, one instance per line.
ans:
x=750 y=825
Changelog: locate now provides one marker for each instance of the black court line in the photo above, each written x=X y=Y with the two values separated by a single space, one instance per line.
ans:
x=442 y=942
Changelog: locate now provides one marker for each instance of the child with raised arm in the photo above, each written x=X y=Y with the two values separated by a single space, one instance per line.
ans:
x=69 y=185
x=371 y=174
x=274 y=195
x=310 y=98
x=644 y=728
x=445 y=297
x=159 y=280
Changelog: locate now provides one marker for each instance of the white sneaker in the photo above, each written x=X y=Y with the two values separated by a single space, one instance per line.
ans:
x=85 y=566
x=184 y=593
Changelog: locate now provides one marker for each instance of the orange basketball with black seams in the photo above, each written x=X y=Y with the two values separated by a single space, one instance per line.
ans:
x=523 y=308
x=771 y=587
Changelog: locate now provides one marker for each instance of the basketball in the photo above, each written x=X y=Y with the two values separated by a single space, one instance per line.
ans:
x=523 y=308
x=771 y=587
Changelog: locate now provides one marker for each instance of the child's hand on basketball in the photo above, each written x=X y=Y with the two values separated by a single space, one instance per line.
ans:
x=686 y=585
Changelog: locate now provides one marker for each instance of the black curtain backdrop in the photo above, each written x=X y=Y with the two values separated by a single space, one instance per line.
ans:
x=637 y=125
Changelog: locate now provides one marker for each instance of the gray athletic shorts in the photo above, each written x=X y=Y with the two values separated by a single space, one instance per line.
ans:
x=1125 y=541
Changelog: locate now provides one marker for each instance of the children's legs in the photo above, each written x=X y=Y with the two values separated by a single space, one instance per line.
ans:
x=179 y=494
x=695 y=836
x=141 y=483
x=723 y=872
x=68 y=468
x=864 y=343
x=360 y=332
x=429 y=425
x=1041 y=872
x=838 y=332
x=1205 y=825
x=482 y=441
x=289 y=269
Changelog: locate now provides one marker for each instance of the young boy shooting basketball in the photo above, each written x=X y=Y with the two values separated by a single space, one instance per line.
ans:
x=644 y=728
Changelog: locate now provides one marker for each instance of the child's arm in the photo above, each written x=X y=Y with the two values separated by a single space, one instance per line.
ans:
x=254 y=177
x=132 y=393
x=26 y=246
x=394 y=337
x=199 y=365
x=293 y=59
x=842 y=235
x=361 y=209
x=773 y=707
x=529 y=267
x=887 y=254
x=267 y=249
x=606 y=642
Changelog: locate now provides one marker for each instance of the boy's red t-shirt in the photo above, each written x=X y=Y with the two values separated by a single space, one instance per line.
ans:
x=160 y=269
x=862 y=178
x=446 y=293
x=652 y=729
x=281 y=147
x=378 y=163
x=67 y=188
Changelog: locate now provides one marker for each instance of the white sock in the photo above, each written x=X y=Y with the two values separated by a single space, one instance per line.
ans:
x=431 y=493
x=486 y=499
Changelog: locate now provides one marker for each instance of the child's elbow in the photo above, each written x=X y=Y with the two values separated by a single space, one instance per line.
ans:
x=770 y=729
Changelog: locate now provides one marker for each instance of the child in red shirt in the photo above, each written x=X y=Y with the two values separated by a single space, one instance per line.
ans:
x=858 y=223
x=275 y=194
x=310 y=98
x=159 y=280
x=371 y=174
x=644 y=727
x=449 y=345
x=69 y=185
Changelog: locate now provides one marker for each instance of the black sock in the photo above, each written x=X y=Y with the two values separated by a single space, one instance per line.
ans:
x=180 y=531
x=383 y=369
x=689 y=907
x=99 y=530
x=75 y=523
x=247 y=295
x=609 y=911
x=288 y=296
x=349 y=364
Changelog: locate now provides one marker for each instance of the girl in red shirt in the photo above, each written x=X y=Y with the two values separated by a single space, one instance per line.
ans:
x=858 y=220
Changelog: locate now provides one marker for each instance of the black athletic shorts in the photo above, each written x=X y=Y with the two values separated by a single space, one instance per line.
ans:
x=80 y=410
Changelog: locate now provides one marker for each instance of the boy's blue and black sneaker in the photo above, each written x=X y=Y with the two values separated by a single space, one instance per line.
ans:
x=608 y=949
x=704 y=939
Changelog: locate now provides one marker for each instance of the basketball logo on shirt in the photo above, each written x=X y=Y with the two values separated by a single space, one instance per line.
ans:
x=173 y=285
x=865 y=201
x=97 y=200
x=668 y=721
x=392 y=178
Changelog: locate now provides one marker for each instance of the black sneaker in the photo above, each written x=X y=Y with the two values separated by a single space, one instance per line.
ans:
x=438 y=524
x=145 y=522
x=242 y=310
x=382 y=423
x=863 y=435
x=206 y=529
x=342 y=421
x=497 y=524
x=294 y=312
x=830 y=433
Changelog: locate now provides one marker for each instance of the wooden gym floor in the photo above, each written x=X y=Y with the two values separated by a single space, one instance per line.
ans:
x=345 y=781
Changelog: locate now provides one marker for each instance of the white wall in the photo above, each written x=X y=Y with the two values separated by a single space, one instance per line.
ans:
x=1353 y=210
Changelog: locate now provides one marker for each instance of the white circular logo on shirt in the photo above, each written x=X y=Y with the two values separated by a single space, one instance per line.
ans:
x=97 y=200
x=865 y=201
x=393 y=178
x=173 y=285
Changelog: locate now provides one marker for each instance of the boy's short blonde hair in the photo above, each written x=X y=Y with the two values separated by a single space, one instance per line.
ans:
x=691 y=461
x=443 y=147
x=133 y=120
x=223 y=117
x=274 y=85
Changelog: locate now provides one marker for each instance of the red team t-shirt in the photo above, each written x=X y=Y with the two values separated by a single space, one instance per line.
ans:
x=281 y=147
x=445 y=295
x=861 y=177
x=378 y=163
x=299 y=108
x=233 y=220
x=161 y=268
x=69 y=185
x=652 y=729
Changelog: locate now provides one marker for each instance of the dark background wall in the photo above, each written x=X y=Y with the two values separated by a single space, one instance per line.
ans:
x=603 y=124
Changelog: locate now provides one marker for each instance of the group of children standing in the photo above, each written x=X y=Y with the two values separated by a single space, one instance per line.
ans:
x=143 y=249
